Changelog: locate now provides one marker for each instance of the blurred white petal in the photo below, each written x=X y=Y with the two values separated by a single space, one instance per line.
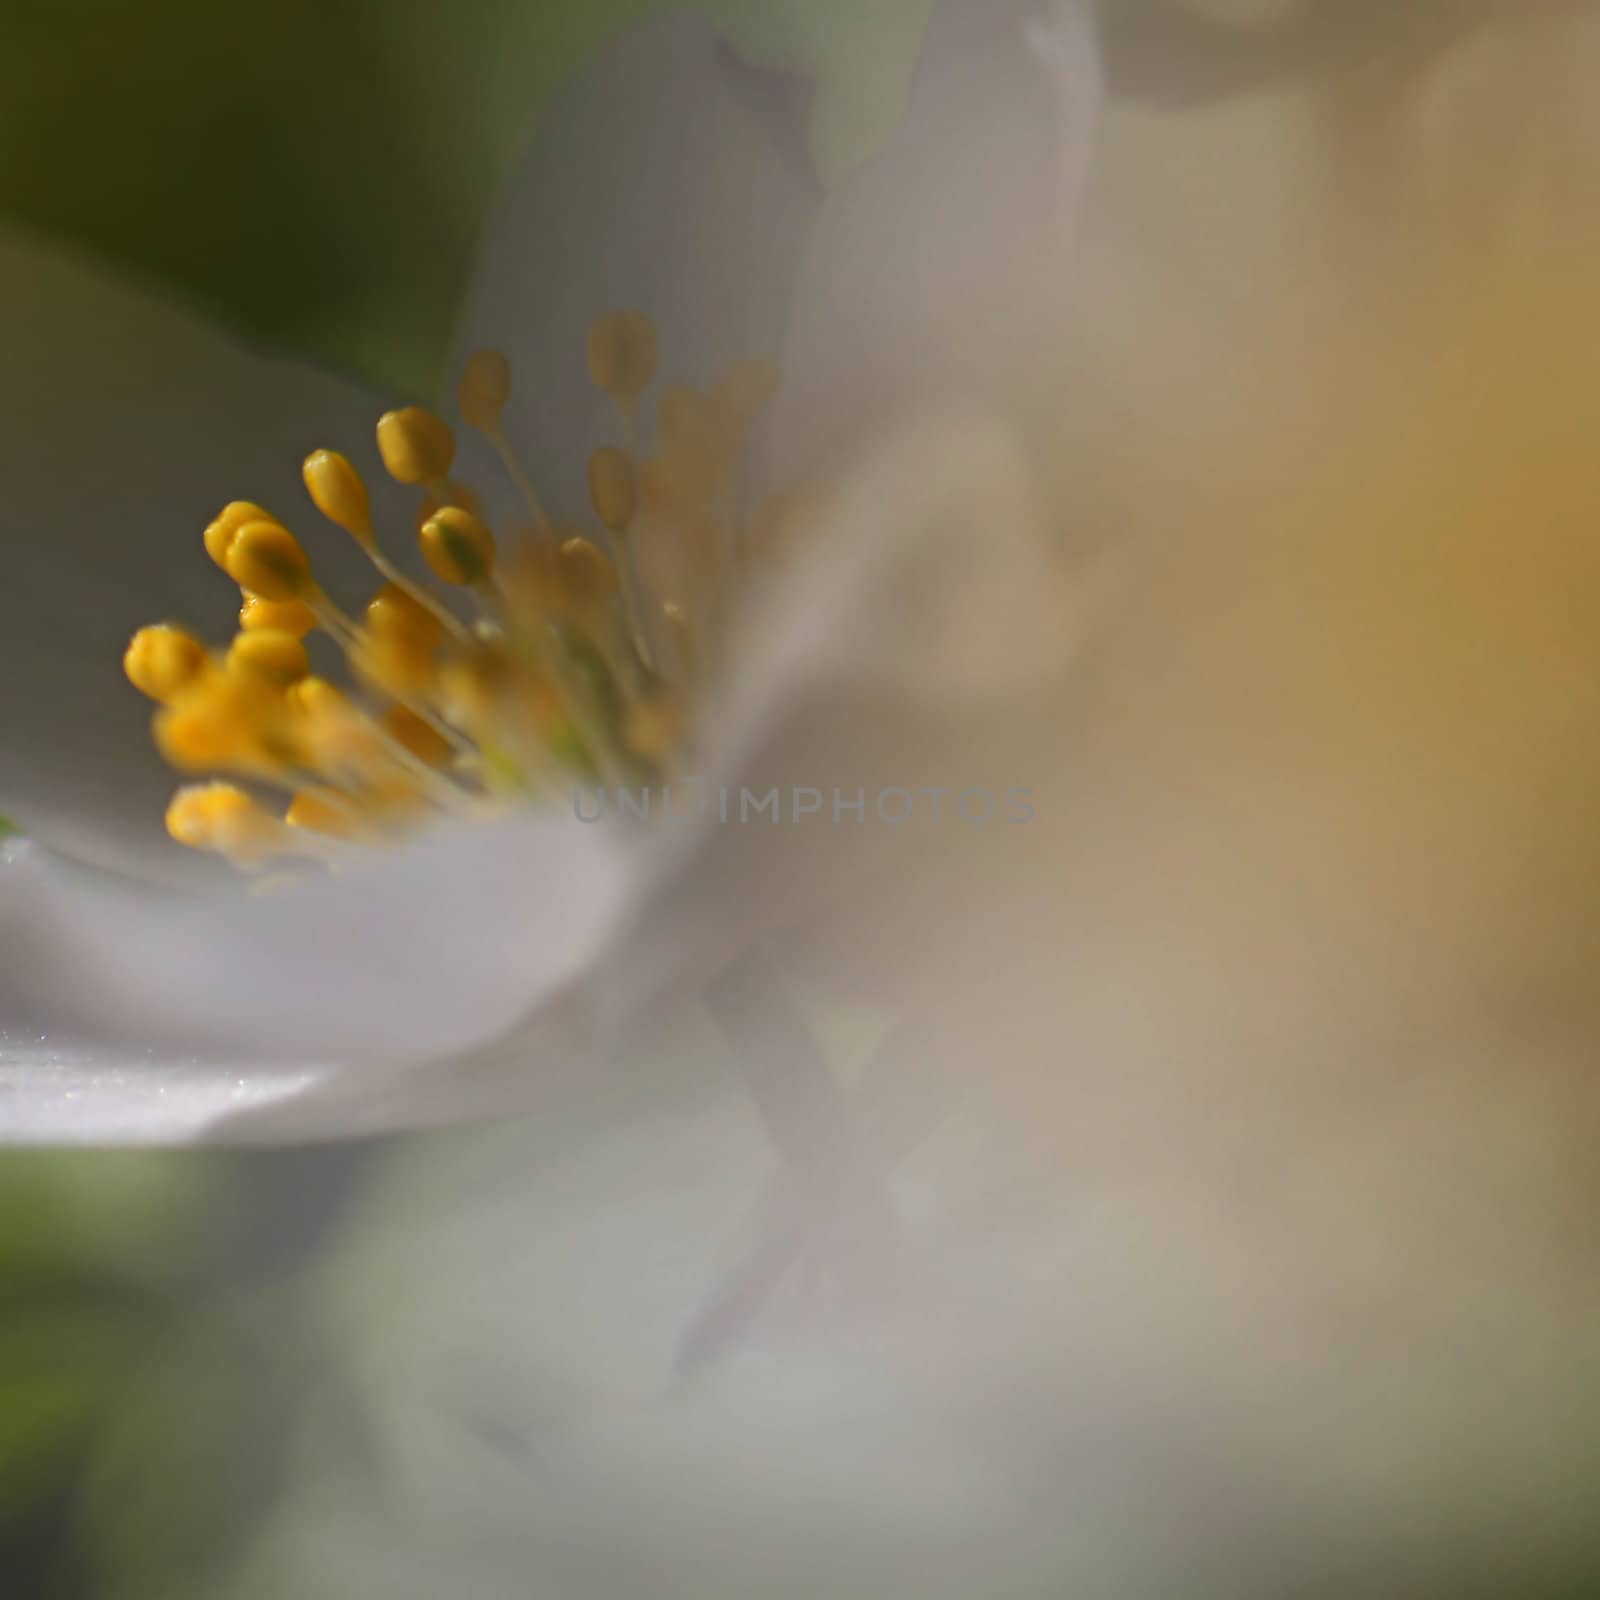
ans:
x=942 y=269
x=668 y=178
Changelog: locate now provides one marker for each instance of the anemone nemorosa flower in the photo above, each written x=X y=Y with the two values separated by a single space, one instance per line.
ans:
x=761 y=517
x=1263 y=1248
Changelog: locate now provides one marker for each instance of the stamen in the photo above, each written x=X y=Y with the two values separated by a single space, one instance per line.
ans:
x=233 y=516
x=265 y=558
x=524 y=484
x=293 y=617
x=563 y=671
x=225 y=723
x=420 y=737
x=397 y=668
x=624 y=355
x=485 y=388
x=276 y=657
x=654 y=729
x=326 y=811
x=340 y=495
x=333 y=622
x=222 y=818
x=164 y=661
x=459 y=548
x=430 y=783
x=416 y=446
x=342 y=741
x=613 y=489
x=396 y=613
x=452 y=493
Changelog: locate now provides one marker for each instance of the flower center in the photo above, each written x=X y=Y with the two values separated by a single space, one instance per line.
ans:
x=554 y=656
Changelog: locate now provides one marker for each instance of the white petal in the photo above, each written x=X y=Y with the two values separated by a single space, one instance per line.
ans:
x=906 y=660
x=127 y=423
x=667 y=178
x=942 y=268
x=219 y=1003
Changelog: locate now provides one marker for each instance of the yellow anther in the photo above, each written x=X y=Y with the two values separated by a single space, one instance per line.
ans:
x=325 y=811
x=653 y=729
x=417 y=446
x=189 y=816
x=470 y=689
x=485 y=388
x=490 y=692
x=266 y=559
x=624 y=352
x=394 y=614
x=393 y=663
x=613 y=488
x=536 y=714
x=394 y=802
x=744 y=391
x=164 y=661
x=220 y=533
x=590 y=578
x=224 y=722
x=409 y=731
x=536 y=584
x=458 y=547
x=339 y=494
x=455 y=494
x=333 y=731
x=224 y=819
x=266 y=653
x=316 y=697
x=279 y=616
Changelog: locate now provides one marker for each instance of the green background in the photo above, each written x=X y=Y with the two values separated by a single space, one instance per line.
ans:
x=317 y=171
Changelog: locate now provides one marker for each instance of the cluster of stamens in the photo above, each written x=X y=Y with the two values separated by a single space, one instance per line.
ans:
x=565 y=655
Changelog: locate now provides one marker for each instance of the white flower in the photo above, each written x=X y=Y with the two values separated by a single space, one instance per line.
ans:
x=1261 y=1255
x=136 y=1006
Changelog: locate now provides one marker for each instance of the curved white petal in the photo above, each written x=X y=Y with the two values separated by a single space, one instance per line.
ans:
x=437 y=947
x=126 y=424
x=231 y=1001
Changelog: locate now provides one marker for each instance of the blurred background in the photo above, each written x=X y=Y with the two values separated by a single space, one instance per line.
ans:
x=154 y=1318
